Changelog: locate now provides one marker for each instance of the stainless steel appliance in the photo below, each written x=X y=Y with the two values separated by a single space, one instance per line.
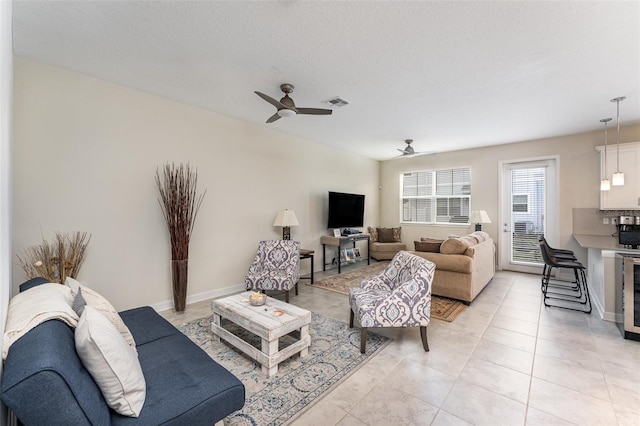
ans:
x=631 y=298
x=629 y=231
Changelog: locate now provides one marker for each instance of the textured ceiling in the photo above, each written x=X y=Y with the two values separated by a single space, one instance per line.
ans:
x=450 y=75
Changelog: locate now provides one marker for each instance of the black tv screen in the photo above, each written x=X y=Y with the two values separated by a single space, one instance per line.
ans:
x=345 y=210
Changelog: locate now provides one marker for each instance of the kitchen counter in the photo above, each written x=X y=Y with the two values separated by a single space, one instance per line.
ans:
x=605 y=284
x=602 y=242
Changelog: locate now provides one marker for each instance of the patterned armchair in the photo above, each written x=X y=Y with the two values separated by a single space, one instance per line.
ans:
x=275 y=267
x=400 y=296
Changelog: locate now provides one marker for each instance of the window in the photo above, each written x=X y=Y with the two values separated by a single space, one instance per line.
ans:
x=436 y=196
x=520 y=203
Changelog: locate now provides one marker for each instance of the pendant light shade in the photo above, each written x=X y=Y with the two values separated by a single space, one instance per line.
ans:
x=605 y=183
x=618 y=177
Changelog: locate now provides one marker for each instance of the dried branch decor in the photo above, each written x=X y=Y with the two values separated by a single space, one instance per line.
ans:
x=180 y=203
x=57 y=260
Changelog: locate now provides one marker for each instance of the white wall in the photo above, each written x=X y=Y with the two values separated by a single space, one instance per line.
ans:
x=6 y=84
x=579 y=181
x=85 y=154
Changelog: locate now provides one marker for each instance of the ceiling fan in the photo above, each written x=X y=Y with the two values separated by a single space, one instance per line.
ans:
x=287 y=108
x=409 y=152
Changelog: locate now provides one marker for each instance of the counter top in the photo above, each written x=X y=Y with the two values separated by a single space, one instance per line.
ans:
x=603 y=242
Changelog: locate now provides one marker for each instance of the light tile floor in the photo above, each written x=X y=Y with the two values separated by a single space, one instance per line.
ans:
x=505 y=360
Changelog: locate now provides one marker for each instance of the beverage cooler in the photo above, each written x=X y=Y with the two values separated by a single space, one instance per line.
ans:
x=631 y=298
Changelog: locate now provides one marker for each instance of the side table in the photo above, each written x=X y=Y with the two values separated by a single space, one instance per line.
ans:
x=307 y=254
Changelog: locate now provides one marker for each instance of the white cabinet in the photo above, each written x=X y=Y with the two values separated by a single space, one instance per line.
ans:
x=626 y=197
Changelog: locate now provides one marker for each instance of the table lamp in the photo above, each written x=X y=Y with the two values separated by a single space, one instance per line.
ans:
x=286 y=218
x=479 y=217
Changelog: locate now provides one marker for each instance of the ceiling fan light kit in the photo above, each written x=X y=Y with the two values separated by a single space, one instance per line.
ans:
x=286 y=113
x=286 y=107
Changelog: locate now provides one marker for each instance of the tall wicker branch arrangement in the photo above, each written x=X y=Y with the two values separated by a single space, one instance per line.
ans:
x=180 y=203
x=56 y=260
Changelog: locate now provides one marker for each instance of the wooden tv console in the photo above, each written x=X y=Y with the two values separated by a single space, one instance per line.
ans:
x=339 y=242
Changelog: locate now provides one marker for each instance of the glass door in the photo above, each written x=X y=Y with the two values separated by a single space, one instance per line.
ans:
x=527 y=203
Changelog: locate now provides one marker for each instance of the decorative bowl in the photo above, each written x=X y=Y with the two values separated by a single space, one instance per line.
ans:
x=257 y=299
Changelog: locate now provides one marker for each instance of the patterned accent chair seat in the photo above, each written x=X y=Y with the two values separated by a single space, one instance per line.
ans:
x=400 y=296
x=275 y=267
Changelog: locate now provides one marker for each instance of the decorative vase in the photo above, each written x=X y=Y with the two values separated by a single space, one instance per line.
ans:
x=179 y=282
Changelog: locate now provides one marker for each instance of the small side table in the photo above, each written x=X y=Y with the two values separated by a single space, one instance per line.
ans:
x=307 y=254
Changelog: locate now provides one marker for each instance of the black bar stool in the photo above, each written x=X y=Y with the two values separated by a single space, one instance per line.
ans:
x=572 y=295
x=558 y=254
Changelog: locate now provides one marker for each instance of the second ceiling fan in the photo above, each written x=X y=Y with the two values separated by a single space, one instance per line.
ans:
x=409 y=152
x=286 y=107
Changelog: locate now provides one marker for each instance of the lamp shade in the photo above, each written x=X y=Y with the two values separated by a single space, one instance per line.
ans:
x=605 y=185
x=286 y=218
x=617 y=179
x=479 y=216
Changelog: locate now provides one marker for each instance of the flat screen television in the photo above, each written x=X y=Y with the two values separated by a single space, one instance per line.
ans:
x=345 y=210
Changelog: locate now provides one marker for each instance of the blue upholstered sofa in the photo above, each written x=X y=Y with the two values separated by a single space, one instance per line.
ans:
x=45 y=383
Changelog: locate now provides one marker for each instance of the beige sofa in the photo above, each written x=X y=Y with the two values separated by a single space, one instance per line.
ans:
x=464 y=267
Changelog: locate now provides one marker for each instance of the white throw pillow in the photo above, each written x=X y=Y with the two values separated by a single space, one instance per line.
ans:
x=97 y=301
x=112 y=363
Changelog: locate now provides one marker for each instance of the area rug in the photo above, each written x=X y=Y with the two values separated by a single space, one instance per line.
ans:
x=442 y=308
x=300 y=382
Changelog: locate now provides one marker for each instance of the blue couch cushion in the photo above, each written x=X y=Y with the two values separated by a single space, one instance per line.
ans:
x=32 y=283
x=184 y=385
x=43 y=366
x=146 y=325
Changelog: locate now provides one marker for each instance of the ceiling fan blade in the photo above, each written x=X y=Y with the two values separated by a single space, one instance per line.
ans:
x=269 y=99
x=413 y=154
x=314 y=111
x=273 y=118
x=425 y=153
x=402 y=151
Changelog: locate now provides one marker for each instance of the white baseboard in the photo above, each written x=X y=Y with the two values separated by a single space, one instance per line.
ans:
x=602 y=314
x=596 y=302
x=226 y=291
x=612 y=317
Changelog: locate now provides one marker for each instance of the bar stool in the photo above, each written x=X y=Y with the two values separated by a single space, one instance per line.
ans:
x=558 y=254
x=572 y=295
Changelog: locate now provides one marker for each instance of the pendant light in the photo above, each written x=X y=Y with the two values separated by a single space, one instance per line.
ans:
x=605 y=183
x=618 y=177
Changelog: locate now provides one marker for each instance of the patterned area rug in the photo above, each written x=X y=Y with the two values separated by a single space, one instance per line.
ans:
x=441 y=308
x=300 y=382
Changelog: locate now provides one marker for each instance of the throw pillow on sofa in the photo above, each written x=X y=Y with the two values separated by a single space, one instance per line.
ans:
x=454 y=246
x=428 y=245
x=389 y=235
x=373 y=234
x=458 y=245
x=481 y=236
x=112 y=363
x=97 y=301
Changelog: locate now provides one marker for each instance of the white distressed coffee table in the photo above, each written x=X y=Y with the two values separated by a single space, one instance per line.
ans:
x=270 y=321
